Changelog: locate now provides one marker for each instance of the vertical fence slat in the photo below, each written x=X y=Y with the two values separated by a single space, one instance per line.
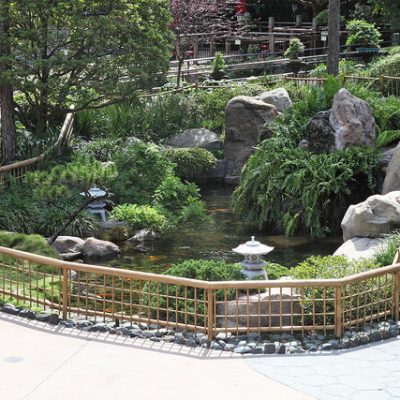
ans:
x=338 y=311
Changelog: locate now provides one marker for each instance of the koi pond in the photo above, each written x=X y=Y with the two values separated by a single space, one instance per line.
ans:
x=216 y=240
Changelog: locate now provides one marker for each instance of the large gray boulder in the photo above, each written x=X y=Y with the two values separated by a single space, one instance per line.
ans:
x=373 y=217
x=198 y=137
x=360 y=247
x=251 y=311
x=68 y=244
x=97 y=249
x=351 y=119
x=392 y=179
x=245 y=120
x=320 y=134
x=278 y=97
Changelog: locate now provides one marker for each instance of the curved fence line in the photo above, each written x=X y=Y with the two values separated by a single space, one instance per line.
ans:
x=110 y=294
x=18 y=170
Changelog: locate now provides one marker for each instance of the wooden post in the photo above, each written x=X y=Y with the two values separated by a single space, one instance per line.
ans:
x=395 y=296
x=338 y=311
x=271 y=43
x=210 y=306
x=196 y=49
x=382 y=84
x=65 y=294
x=212 y=45
x=271 y=23
x=227 y=47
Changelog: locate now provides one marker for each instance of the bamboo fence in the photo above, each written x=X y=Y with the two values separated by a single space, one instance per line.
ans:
x=17 y=171
x=108 y=294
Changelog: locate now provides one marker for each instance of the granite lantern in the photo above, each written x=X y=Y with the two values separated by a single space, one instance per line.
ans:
x=97 y=207
x=253 y=263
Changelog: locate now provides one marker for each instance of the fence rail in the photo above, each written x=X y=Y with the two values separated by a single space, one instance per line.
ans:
x=387 y=85
x=74 y=289
x=18 y=170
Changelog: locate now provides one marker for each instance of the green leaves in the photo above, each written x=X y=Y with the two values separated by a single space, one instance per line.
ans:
x=291 y=188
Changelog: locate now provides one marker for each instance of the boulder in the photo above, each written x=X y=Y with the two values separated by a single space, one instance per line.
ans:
x=245 y=120
x=278 y=97
x=144 y=235
x=259 y=310
x=392 y=179
x=320 y=134
x=360 y=247
x=198 y=137
x=68 y=244
x=96 y=249
x=373 y=217
x=352 y=121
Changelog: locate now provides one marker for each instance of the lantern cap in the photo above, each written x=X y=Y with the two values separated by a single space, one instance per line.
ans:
x=252 y=247
x=94 y=192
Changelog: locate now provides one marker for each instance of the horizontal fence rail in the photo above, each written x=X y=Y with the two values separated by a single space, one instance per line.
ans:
x=18 y=170
x=109 y=294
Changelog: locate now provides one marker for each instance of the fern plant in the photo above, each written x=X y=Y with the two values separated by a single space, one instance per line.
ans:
x=293 y=189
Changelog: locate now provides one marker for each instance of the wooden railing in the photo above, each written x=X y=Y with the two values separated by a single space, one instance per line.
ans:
x=387 y=85
x=18 y=170
x=329 y=305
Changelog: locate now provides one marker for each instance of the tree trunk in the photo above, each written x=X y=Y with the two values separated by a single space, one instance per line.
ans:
x=71 y=218
x=333 y=37
x=8 y=134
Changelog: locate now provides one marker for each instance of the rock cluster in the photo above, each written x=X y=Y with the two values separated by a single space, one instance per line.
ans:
x=373 y=217
x=349 y=123
x=252 y=343
x=71 y=248
x=197 y=137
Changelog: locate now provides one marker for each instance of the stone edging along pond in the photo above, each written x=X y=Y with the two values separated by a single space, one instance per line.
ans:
x=252 y=343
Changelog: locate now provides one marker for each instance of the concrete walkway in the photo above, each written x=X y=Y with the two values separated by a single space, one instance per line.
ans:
x=370 y=372
x=42 y=362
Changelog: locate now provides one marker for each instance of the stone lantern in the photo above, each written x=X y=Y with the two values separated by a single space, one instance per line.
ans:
x=253 y=263
x=97 y=207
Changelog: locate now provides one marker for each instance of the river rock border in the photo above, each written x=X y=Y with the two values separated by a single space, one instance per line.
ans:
x=252 y=343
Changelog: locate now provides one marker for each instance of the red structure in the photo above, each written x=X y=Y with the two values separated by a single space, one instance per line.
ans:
x=241 y=7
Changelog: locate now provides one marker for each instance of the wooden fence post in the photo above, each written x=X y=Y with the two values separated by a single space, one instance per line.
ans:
x=65 y=294
x=395 y=296
x=338 y=311
x=210 y=306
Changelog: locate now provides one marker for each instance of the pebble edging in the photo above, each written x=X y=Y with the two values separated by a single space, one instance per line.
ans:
x=252 y=343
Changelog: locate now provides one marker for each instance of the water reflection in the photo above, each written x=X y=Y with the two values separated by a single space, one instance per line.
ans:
x=216 y=240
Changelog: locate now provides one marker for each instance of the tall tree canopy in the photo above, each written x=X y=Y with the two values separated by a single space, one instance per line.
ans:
x=87 y=53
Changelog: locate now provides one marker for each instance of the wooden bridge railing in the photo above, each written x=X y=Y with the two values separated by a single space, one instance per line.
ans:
x=108 y=294
x=18 y=170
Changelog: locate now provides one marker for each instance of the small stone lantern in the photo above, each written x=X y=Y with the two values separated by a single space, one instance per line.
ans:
x=253 y=263
x=97 y=207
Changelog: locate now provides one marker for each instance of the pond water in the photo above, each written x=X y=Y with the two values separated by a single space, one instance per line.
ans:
x=215 y=241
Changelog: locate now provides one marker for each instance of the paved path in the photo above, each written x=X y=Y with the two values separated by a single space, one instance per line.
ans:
x=369 y=372
x=42 y=362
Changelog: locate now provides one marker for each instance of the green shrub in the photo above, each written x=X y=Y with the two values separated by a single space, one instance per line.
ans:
x=330 y=267
x=30 y=243
x=319 y=301
x=180 y=201
x=100 y=149
x=218 y=66
x=139 y=216
x=141 y=169
x=295 y=49
x=386 y=138
x=52 y=217
x=191 y=163
x=386 y=256
x=302 y=191
x=192 y=269
x=389 y=66
x=276 y=271
x=362 y=34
